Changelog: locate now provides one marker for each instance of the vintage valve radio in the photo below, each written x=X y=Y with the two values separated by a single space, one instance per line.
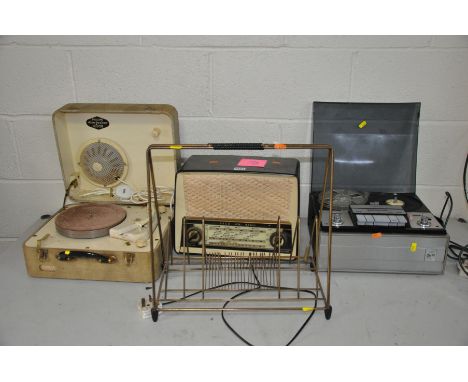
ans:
x=239 y=205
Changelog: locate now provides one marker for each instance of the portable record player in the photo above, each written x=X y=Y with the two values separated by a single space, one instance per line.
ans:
x=104 y=233
x=379 y=223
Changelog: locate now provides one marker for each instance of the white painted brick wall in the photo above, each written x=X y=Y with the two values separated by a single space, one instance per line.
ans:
x=226 y=88
x=437 y=78
x=144 y=75
x=34 y=80
x=278 y=83
x=37 y=149
x=9 y=168
x=23 y=202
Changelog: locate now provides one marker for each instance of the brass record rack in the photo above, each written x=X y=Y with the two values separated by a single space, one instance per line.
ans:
x=206 y=281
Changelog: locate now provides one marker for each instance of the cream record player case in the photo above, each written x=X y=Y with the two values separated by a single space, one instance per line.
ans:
x=102 y=152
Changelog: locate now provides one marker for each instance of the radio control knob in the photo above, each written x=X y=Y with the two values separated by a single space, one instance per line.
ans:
x=274 y=239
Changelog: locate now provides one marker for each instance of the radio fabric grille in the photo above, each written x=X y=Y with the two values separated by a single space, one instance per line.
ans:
x=238 y=196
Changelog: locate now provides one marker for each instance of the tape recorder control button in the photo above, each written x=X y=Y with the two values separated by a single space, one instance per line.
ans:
x=361 y=219
x=337 y=219
x=401 y=220
x=424 y=221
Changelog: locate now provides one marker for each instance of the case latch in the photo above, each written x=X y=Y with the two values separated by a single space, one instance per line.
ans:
x=41 y=252
x=129 y=258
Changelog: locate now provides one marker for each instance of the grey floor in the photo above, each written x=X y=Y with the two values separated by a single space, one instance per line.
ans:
x=368 y=309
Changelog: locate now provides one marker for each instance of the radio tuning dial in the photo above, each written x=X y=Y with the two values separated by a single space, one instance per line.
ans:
x=274 y=239
x=194 y=235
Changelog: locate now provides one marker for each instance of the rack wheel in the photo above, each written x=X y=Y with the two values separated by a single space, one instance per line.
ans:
x=328 y=312
x=154 y=314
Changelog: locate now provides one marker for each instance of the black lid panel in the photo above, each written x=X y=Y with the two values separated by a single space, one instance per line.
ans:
x=375 y=145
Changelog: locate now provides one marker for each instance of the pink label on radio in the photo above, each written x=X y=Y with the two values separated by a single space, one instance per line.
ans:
x=245 y=162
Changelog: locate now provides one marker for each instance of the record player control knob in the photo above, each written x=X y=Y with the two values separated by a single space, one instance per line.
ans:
x=140 y=243
x=156 y=132
x=337 y=219
x=424 y=221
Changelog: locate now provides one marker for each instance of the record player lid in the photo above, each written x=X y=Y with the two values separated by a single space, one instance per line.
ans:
x=103 y=144
x=375 y=145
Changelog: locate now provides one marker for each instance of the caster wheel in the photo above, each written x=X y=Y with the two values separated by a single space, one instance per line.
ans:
x=328 y=312
x=154 y=314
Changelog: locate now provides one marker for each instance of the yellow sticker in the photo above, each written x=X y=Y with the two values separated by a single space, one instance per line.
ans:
x=362 y=124
x=307 y=309
x=67 y=252
x=175 y=147
x=414 y=246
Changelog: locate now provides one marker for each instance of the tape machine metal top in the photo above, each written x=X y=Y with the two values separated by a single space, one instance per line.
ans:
x=241 y=199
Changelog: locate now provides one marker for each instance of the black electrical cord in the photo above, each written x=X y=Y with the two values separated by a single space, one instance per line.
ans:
x=67 y=191
x=448 y=199
x=272 y=287
x=464 y=178
x=459 y=256
x=462 y=255
x=258 y=286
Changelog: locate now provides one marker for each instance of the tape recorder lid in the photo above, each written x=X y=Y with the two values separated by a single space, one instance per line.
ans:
x=245 y=163
x=375 y=145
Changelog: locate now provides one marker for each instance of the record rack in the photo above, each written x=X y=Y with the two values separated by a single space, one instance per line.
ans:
x=210 y=280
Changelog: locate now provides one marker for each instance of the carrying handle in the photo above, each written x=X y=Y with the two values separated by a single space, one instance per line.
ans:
x=237 y=146
x=447 y=200
x=72 y=255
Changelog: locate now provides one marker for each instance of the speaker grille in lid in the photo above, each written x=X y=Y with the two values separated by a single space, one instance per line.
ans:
x=103 y=163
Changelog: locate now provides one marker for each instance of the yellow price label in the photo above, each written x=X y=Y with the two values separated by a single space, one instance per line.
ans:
x=362 y=124
x=413 y=247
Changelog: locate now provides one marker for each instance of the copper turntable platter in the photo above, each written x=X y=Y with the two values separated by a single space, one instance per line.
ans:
x=88 y=221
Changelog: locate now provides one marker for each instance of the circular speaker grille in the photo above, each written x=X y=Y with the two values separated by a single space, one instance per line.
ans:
x=103 y=163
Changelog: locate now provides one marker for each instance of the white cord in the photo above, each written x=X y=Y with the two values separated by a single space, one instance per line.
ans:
x=141 y=197
x=138 y=197
x=97 y=191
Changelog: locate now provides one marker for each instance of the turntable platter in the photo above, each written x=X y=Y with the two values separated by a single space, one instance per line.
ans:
x=89 y=221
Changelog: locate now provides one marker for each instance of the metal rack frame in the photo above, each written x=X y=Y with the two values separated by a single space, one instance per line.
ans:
x=245 y=272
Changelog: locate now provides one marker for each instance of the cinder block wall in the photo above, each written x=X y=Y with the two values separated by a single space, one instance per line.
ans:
x=226 y=88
